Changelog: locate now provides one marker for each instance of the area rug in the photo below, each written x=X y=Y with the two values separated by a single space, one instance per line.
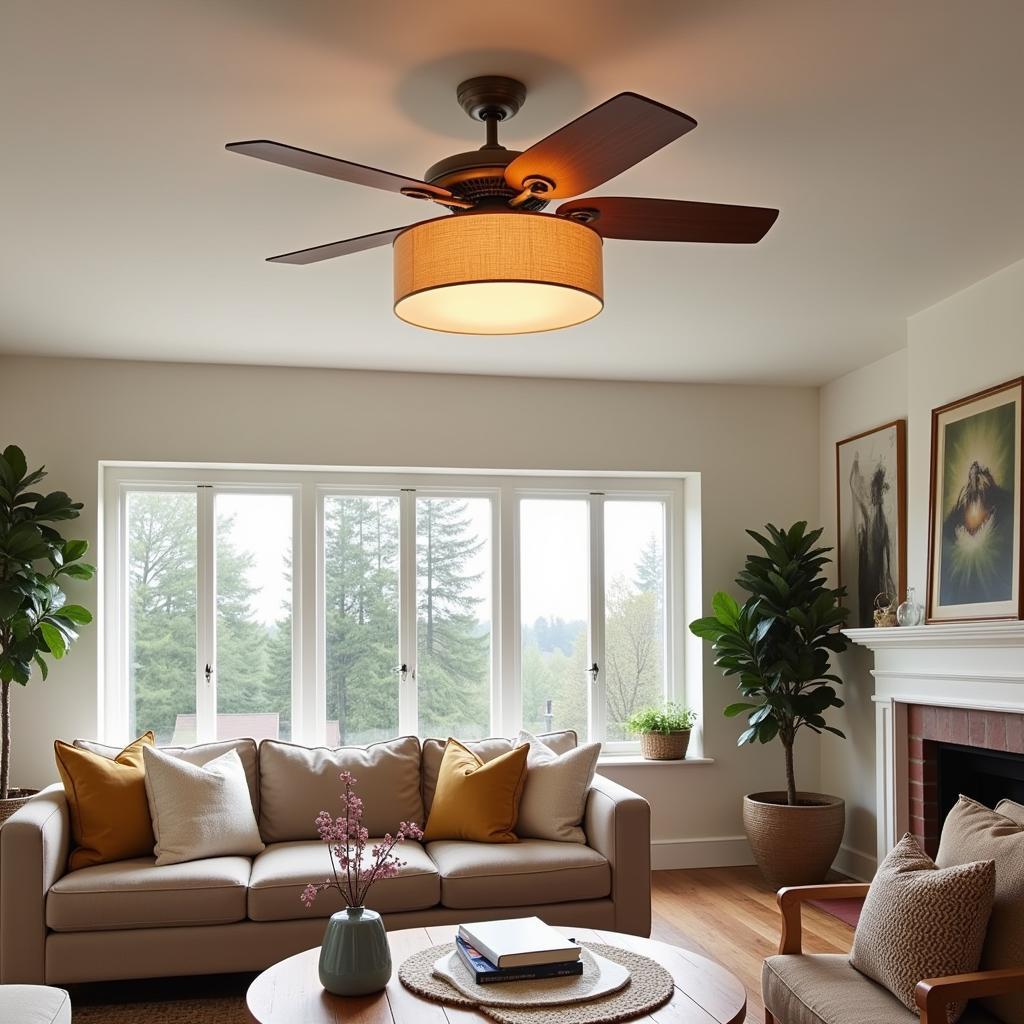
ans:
x=216 y=999
x=848 y=911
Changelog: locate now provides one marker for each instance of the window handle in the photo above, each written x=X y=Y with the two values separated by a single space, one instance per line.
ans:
x=404 y=672
x=593 y=672
x=208 y=671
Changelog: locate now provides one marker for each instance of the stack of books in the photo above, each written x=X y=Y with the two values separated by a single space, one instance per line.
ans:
x=521 y=949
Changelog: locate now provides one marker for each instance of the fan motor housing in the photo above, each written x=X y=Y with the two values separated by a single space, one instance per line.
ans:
x=479 y=176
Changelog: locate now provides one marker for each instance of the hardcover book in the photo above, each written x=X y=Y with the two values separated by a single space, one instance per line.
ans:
x=485 y=973
x=519 y=942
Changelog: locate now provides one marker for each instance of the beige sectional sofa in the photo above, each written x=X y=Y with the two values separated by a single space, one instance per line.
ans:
x=131 y=919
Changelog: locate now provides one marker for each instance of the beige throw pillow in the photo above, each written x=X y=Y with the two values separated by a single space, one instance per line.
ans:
x=922 y=922
x=1011 y=810
x=199 y=811
x=972 y=832
x=297 y=783
x=556 y=790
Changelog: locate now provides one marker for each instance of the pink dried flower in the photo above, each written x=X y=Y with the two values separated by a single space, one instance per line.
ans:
x=355 y=867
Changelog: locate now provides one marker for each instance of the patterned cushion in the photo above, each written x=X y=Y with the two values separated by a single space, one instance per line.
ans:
x=972 y=832
x=920 y=921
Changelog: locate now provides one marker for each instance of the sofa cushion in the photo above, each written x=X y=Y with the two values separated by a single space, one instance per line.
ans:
x=106 y=803
x=297 y=782
x=555 y=793
x=486 y=750
x=1011 y=810
x=921 y=921
x=532 y=871
x=972 y=832
x=137 y=894
x=281 y=872
x=825 y=989
x=475 y=800
x=200 y=754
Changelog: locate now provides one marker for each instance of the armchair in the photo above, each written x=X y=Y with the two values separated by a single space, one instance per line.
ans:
x=801 y=988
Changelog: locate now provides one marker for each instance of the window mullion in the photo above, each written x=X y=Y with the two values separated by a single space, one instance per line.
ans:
x=408 y=704
x=206 y=616
x=508 y=683
x=596 y=703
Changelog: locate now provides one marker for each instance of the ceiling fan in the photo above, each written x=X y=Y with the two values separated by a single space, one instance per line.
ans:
x=498 y=264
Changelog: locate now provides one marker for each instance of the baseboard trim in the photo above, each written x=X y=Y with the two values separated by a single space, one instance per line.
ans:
x=708 y=852
x=858 y=865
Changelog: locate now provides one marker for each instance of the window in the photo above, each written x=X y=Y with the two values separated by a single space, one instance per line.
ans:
x=349 y=607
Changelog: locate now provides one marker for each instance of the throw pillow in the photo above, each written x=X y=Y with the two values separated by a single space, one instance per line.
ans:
x=106 y=803
x=972 y=832
x=920 y=921
x=297 y=782
x=555 y=793
x=199 y=810
x=1011 y=810
x=474 y=800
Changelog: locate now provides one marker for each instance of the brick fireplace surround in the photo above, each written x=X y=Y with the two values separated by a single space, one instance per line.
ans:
x=929 y=726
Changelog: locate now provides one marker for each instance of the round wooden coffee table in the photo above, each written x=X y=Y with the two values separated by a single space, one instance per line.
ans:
x=290 y=992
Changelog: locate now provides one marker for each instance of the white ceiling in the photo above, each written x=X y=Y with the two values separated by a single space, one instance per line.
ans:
x=887 y=131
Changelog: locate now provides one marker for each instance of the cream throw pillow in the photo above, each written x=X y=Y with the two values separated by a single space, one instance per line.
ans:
x=556 y=790
x=920 y=921
x=199 y=810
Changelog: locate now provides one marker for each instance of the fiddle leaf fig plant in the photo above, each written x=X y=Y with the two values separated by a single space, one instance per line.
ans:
x=36 y=620
x=779 y=642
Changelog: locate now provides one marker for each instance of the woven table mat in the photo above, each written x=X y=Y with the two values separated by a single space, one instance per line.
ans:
x=650 y=986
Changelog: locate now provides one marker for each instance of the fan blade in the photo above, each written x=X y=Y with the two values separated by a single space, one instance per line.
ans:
x=348 y=245
x=332 y=167
x=670 y=220
x=599 y=145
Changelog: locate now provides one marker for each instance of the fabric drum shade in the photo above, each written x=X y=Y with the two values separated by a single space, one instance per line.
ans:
x=498 y=273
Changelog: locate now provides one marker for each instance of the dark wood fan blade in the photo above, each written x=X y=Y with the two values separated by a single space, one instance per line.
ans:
x=348 y=245
x=670 y=220
x=332 y=167
x=599 y=145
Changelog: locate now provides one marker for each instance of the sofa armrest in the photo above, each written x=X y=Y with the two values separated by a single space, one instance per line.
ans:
x=935 y=994
x=792 y=898
x=34 y=845
x=618 y=825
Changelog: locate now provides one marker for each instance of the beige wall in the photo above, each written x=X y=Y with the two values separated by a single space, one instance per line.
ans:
x=866 y=398
x=757 y=450
x=969 y=341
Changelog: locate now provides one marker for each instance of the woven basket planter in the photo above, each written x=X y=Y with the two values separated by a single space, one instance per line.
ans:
x=17 y=799
x=664 y=746
x=794 y=845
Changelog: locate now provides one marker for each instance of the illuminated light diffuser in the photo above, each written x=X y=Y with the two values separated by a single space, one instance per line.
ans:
x=498 y=273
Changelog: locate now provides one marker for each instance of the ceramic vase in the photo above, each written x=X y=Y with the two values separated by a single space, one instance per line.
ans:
x=355 y=959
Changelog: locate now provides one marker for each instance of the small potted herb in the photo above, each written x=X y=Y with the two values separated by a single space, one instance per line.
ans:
x=664 y=731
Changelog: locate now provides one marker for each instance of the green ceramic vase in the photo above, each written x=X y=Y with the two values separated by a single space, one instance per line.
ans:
x=355 y=959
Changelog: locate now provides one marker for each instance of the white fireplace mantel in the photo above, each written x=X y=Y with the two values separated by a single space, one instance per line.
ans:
x=974 y=665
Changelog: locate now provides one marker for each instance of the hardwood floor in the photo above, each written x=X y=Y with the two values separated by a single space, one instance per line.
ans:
x=730 y=915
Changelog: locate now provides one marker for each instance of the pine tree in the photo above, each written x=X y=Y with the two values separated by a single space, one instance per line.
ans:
x=650 y=569
x=452 y=670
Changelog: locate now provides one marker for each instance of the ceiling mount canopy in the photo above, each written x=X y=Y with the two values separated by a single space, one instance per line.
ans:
x=494 y=262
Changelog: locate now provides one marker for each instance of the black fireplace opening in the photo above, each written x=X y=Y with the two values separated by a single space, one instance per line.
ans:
x=987 y=776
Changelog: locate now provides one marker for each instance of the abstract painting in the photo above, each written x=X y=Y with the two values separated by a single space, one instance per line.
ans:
x=871 y=475
x=974 y=563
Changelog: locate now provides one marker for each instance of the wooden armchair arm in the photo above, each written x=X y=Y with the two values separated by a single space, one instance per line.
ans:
x=935 y=994
x=790 y=900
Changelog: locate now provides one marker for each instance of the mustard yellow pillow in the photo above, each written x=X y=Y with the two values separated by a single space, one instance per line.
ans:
x=107 y=803
x=474 y=800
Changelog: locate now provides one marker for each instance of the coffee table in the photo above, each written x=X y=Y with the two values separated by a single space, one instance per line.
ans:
x=290 y=992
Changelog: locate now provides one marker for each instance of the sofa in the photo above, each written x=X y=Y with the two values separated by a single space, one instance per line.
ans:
x=132 y=919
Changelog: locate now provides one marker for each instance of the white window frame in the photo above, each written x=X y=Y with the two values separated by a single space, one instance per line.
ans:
x=309 y=486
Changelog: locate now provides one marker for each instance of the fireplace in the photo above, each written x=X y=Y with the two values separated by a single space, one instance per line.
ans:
x=959 y=750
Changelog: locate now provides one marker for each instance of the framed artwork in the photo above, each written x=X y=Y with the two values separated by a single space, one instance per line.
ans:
x=974 y=539
x=871 y=503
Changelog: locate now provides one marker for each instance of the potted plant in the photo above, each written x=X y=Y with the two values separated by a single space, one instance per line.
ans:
x=664 y=731
x=778 y=644
x=36 y=622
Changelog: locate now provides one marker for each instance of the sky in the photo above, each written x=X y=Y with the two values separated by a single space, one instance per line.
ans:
x=555 y=561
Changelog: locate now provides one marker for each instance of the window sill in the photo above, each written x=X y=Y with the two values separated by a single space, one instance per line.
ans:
x=636 y=761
